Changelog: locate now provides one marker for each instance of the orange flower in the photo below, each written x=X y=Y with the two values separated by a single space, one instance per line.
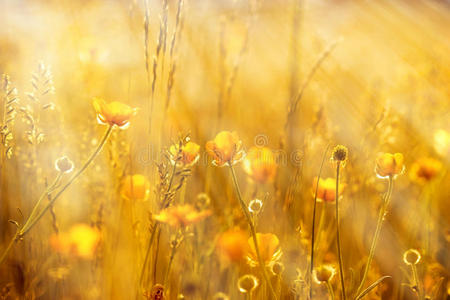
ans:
x=225 y=148
x=135 y=187
x=113 y=113
x=260 y=164
x=269 y=249
x=425 y=169
x=389 y=165
x=181 y=215
x=81 y=241
x=189 y=153
x=327 y=189
x=232 y=245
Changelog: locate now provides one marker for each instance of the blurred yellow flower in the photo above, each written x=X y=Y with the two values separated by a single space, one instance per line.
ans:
x=113 y=113
x=269 y=249
x=327 y=189
x=225 y=148
x=389 y=165
x=135 y=187
x=232 y=245
x=81 y=241
x=260 y=164
x=424 y=170
x=442 y=142
x=181 y=215
x=189 y=153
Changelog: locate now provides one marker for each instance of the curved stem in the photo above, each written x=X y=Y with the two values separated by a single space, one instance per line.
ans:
x=8 y=248
x=383 y=211
x=341 y=268
x=252 y=230
x=314 y=223
x=29 y=224
x=330 y=290
x=71 y=180
x=44 y=194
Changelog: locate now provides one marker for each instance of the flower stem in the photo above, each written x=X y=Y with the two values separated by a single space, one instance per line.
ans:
x=416 y=282
x=314 y=223
x=171 y=258
x=341 y=268
x=383 y=211
x=252 y=230
x=34 y=216
x=330 y=290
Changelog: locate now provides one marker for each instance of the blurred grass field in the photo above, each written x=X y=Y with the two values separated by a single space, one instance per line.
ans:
x=292 y=77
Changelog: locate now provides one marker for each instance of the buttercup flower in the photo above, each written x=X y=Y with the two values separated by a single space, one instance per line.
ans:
x=64 y=165
x=389 y=165
x=260 y=164
x=247 y=283
x=225 y=148
x=81 y=240
x=113 y=113
x=232 y=245
x=135 y=187
x=269 y=249
x=411 y=257
x=327 y=189
x=181 y=215
x=425 y=169
x=324 y=273
x=189 y=153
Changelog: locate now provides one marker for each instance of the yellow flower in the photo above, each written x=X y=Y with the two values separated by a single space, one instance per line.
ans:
x=260 y=164
x=425 y=169
x=389 y=165
x=181 y=215
x=189 y=153
x=269 y=249
x=135 y=187
x=232 y=245
x=327 y=189
x=225 y=148
x=81 y=241
x=113 y=113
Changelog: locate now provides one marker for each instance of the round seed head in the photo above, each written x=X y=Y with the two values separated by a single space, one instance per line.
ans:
x=411 y=257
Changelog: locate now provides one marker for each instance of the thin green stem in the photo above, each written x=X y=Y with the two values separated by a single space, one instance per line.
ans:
x=156 y=227
x=71 y=180
x=314 y=223
x=34 y=216
x=383 y=211
x=8 y=248
x=252 y=230
x=330 y=290
x=341 y=267
x=171 y=258
x=44 y=194
x=417 y=282
x=147 y=252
